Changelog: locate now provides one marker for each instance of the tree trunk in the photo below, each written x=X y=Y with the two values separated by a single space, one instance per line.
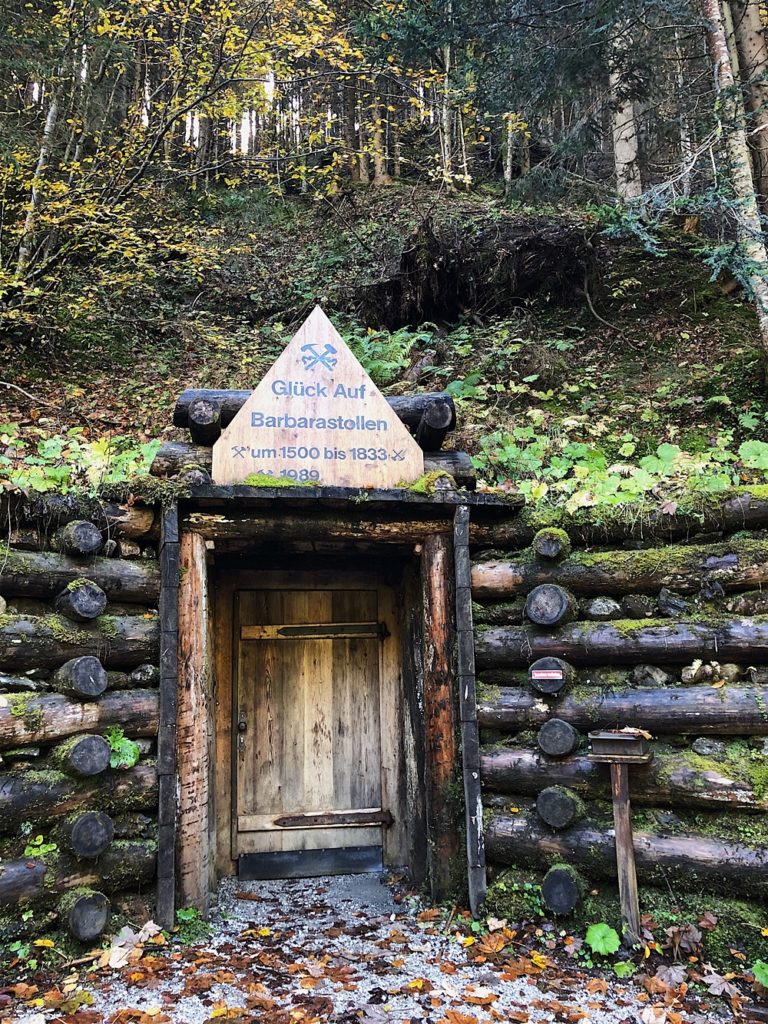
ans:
x=750 y=39
x=641 y=641
x=669 y=780
x=27 y=243
x=681 y=710
x=48 y=796
x=45 y=574
x=735 y=564
x=623 y=125
x=748 y=226
x=521 y=840
x=46 y=641
x=25 y=720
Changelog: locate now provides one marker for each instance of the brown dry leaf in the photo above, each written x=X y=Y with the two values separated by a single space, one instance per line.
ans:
x=457 y=1017
x=429 y=915
x=492 y=944
x=597 y=985
x=518 y=1016
x=479 y=996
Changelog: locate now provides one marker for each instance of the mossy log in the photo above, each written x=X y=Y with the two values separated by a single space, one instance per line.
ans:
x=626 y=641
x=687 y=710
x=173 y=456
x=735 y=564
x=550 y=676
x=87 y=835
x=40 y=796
x=82 y=756
x=559 y=807
x=47 y=513
x=680 y=779
x=79 y=538
x=46 y=641
x=552 y=544
x=505 y=613
x=45 y=574
x=557 y=738
x=126 y=861
x=85 y=912
x=562 y=889
x=83 y=678
x=82 y=601
x=29 y=719
x=550 y=605
x=409 y=408
x=521 y=839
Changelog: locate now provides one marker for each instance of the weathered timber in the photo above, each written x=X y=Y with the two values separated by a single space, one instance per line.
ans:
x=440 y=725
x=88 y=834
x=559 y=807
x=625 y=854
x=204 y=418
x=626 y=642
x=668 y=780
x=562 y=889
x=86 y=913
x=739 y=509
x=552 y=544
x=47 y=513
x=730 y=711
x=125 y=860
x=550 y=676
x=316 y=527
x=436 y=420
x=83 y=678
x=173 y=456
x=506 y=613
x=734 y=564
x=82 y=756
x=45 y=574
x=409 y=408
x=81 y=601
x=44 y=796
x=118 y=641
x=550 y=605
x=520 y=839
x=79 y=538
x=557 y=738
x=26 y=719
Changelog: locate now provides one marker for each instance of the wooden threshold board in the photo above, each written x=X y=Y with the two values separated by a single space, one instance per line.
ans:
x=348 y=860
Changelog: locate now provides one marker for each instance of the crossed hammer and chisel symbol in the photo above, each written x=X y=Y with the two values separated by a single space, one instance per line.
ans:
x=315 y=358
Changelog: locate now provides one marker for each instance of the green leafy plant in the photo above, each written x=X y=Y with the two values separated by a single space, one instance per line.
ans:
x=760 y=972
x=602 y=939
x=190 y=926
x=124 y=752
x=624 y=969
x=38 y=847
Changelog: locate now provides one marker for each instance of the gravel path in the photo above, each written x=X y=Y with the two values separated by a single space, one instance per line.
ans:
x=344 y=950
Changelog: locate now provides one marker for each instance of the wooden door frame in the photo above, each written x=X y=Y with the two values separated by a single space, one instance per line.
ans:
x=435 y=659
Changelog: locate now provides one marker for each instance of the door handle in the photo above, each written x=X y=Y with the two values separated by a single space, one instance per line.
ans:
x=242 y=723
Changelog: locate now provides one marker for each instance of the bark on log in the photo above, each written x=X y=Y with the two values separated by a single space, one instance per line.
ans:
x=668 y=780
x=626 y=642
x=82 y=756
x=79 y=538
x=409 y=408
x=557 y=738
x=683 y=710
x=89 y=834
x=47 y=641
x=86 y=914
x=550 y=605
x=521 y=840
x=48 y=512
x=550 y=676
x=173 y=456
x=436 y=420
x=204 y=417
x=83 y=678
x=125 y=861
x=318 y=528
x=735 y=564
x=507 y=613
x=81 y=601
x=45 y=574
x=45 y=796
x=27 y=720
x=739 y=509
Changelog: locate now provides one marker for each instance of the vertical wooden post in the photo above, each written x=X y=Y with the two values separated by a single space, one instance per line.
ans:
x=166 y=734
x=470 y=736
x=440 y=723
x=193 y=726
x=625 y=854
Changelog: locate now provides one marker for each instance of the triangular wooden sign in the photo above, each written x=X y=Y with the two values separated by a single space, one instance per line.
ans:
x=317 y=417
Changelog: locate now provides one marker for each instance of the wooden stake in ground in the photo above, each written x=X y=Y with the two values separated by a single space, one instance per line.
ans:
x=619 y=748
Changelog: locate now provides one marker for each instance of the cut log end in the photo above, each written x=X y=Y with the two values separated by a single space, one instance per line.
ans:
x=557 y=738
x=82 y=601
x=436 y=420
x=79 y=538
x=83 y=678
x=549 y=676
x=551 y=543
x=562 y=889
x=86 y=914
x=550 y=605
x=205 y=420
x=83 y=756
x=90 y=834
x=559 y=807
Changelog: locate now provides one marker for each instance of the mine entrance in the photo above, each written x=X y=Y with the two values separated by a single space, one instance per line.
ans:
x=317 y=720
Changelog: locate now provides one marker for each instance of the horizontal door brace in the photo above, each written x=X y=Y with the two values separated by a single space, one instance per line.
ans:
x=317 y=631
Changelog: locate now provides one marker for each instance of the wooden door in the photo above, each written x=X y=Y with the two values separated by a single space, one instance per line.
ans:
x=307 y=732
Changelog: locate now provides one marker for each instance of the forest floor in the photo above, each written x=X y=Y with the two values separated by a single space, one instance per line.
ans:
x=348 y=950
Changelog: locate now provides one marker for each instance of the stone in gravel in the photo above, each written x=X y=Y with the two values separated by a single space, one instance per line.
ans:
x=650 y=675
x=705 y=747
x=602 y=609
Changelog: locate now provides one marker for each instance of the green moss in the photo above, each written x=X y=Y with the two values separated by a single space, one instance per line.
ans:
x=265 y=480
x=107 y=626
x=427 y=484
x=515 y=895
x=78 y=583
x=150 y=490
x=487 y=694
x=65 y=631
x=22 y=705
x=557 y=535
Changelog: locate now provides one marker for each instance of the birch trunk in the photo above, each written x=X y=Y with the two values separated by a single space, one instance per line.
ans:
x=749 y=228
x=26 y=245
x=625 y=144
x=750 y=39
